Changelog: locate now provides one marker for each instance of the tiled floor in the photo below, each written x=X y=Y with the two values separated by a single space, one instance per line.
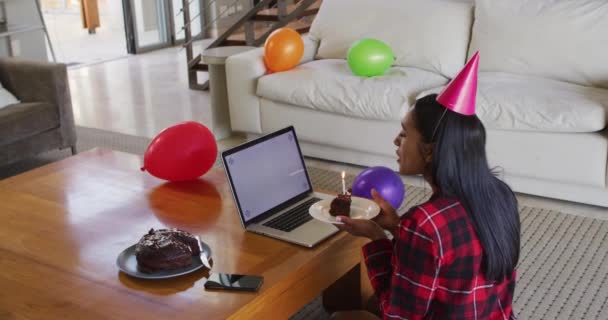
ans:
x=140 y=95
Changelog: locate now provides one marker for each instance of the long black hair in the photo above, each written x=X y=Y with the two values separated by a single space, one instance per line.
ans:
x=460 y=169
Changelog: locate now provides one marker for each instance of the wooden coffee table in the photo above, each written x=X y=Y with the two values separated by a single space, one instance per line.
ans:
x=63 y=225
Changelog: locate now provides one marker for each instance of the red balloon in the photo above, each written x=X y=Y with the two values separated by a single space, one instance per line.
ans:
x=182 y=152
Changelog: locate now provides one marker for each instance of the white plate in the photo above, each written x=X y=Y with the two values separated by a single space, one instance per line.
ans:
x=360 y=208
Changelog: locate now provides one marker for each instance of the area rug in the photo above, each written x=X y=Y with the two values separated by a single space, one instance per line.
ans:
x=563 y=267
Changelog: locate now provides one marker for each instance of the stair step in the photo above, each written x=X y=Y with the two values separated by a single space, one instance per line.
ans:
x=273 y=13
x=238 y=38
x=229 y=42
x=200 y=67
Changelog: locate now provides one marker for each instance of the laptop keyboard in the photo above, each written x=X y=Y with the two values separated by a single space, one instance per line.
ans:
x=293 y=218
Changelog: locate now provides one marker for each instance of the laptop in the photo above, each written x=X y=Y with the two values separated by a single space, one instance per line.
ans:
x=272 y=189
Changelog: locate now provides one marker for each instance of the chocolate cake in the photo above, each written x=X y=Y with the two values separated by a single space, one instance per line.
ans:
x=163 y=249
x=340 y=206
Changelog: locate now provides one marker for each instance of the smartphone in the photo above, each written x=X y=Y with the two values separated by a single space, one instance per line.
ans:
x=238 y=282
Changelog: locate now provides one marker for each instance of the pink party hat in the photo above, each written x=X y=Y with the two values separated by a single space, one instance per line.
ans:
x=459 y=95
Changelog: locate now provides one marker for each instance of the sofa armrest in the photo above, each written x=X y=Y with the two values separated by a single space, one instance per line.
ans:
x=36 y=81
x=242 y=73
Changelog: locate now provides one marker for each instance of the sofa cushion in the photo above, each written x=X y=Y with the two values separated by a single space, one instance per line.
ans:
x=328 y=85
x=524 y=103
x=560 y=39
x=428 y=34
x=19 y=121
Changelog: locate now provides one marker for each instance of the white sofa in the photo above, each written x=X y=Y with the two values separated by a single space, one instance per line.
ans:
x=542 y=95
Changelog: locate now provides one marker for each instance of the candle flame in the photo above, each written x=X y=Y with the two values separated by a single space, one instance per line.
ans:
x=343 y=174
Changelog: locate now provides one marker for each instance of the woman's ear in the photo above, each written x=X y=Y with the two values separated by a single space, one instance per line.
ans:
x=428 y=152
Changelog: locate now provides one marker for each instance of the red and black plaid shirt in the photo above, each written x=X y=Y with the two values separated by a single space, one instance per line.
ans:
x=433 y=269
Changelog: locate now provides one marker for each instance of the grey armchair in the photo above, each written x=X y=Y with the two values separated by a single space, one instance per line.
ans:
x=43 y=120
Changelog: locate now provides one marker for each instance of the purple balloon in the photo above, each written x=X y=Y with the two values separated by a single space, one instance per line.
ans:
x=386 y=182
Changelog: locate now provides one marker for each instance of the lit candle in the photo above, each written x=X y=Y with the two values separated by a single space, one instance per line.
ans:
x=343 y=182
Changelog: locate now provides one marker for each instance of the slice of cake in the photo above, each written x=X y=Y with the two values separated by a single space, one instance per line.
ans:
x=163 y=249
x=340 y=206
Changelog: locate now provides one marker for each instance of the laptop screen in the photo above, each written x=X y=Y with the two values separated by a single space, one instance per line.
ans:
x=266 y=173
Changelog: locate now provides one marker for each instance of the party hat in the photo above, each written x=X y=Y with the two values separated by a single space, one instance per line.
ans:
x=459 y=95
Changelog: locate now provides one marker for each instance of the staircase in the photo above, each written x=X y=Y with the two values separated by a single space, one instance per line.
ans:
x=251 y=29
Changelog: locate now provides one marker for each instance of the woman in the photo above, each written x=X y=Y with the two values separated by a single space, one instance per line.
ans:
x=454 y=256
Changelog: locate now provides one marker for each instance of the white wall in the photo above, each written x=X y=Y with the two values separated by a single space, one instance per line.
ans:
x=30 y=44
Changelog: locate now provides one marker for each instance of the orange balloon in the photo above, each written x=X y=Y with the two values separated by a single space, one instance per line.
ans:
x=283 y=50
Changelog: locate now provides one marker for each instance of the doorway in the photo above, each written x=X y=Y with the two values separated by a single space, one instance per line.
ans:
x=155 y=24
x=119 y=28
x=74 y=43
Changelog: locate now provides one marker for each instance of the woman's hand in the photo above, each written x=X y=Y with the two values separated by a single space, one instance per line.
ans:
x=388 y=218
x=361 y=228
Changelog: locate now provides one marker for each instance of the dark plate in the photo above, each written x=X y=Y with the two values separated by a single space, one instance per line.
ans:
x=127 y=263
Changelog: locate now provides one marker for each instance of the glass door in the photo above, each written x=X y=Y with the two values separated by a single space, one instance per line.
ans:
x=147 y=28
x=155 y=24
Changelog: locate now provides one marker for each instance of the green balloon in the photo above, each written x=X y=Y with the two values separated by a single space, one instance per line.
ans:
x=370 y=57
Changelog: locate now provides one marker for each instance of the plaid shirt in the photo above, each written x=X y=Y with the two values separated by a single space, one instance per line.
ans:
x=433 y=268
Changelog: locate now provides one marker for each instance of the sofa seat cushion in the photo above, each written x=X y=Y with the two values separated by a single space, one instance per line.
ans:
x=23 y=120
x=329 y=85
x=524 y=103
